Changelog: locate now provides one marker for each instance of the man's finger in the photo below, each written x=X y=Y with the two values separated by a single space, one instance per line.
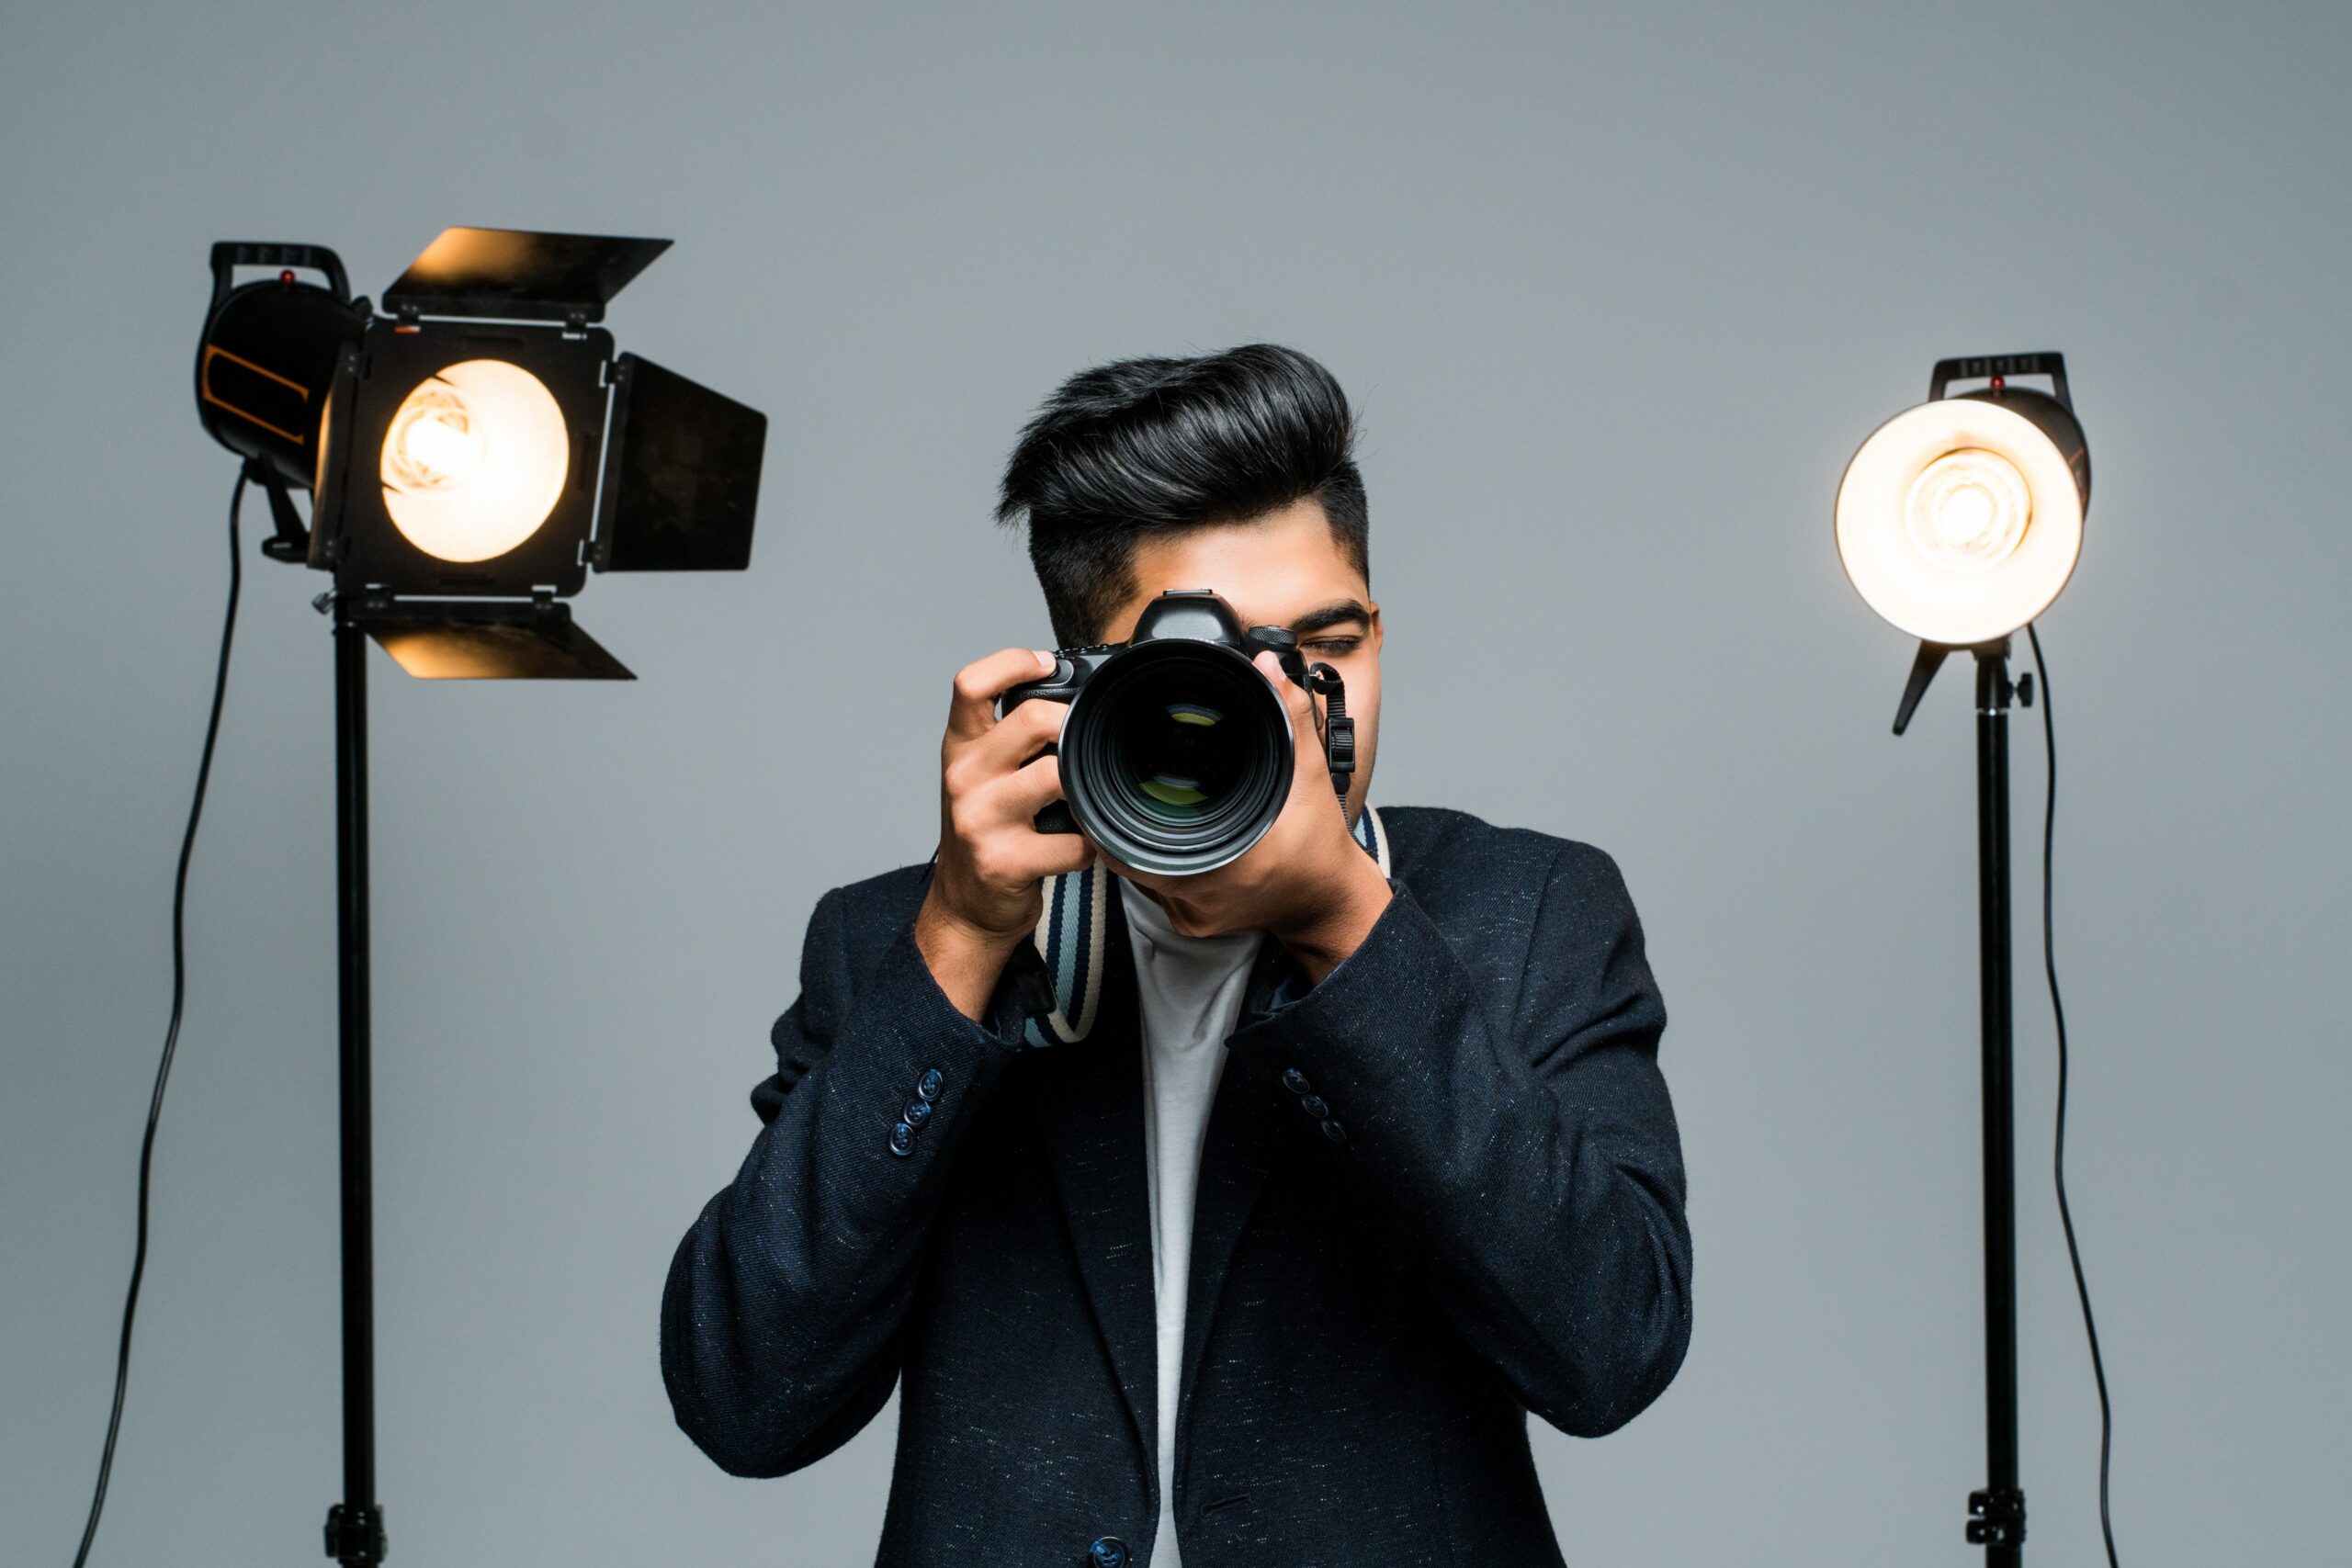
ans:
x=1017 y=737
x=1050 y=854
x=1028 y=790
x=1297 y=701
x=972 y=710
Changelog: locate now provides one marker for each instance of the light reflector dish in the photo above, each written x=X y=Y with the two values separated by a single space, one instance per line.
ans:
x=475 y=460
x=1960 y=520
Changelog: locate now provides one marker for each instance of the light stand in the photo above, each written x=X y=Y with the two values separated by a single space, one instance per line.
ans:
x=355 y=1529
x=1996 y=1513
x=1960 y=521
x=473 y=453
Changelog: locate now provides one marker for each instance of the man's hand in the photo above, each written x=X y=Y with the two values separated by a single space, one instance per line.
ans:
x=1307 y=881
x=986 y=891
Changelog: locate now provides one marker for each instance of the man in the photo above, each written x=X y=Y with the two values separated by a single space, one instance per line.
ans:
x=1364 y=1154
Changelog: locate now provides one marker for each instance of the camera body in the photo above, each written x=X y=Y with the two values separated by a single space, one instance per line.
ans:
x=1176 y=754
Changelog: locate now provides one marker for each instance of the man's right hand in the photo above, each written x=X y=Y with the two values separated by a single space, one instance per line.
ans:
x=987 y=888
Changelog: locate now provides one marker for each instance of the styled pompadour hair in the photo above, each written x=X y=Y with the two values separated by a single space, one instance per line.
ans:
x=1155 y=446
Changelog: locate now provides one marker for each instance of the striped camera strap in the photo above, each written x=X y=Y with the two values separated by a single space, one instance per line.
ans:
x=1076 y=923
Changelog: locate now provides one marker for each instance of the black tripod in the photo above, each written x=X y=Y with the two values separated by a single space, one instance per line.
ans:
x=1997 y=1511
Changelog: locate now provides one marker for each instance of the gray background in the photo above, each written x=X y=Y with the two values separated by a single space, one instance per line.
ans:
x=1617 y=294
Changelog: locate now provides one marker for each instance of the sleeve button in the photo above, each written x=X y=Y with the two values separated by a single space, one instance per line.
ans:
x=902 y=1138
x=917 y=1112
x=1108 y=1551
x=1295 y=1081
x=928 y=1086
x=1333 y=1131
x=1314 y=1106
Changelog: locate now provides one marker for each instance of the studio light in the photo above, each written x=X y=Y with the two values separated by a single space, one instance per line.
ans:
x=474 y=450
x=1960 y=521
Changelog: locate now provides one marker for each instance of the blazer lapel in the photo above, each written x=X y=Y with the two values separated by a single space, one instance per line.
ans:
x=1088 y=1099
x=1237 y=1151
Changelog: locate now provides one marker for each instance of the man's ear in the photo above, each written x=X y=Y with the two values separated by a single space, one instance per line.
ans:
x=1373 y=606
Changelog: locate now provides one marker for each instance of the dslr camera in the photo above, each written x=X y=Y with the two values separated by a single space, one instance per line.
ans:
x=1176 y=754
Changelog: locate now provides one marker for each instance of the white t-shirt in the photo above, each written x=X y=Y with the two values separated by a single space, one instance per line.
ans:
x=1189 y=990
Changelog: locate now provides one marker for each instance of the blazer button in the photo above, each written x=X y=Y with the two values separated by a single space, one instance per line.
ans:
x=1295 y=1081
x=902 y=1138
x=1108 y=1551
x=1313 y=1105
x=1333 y=1131
x=927 y=1085
x=917 y=1112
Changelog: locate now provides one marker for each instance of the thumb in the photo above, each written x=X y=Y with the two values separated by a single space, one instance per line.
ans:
x=1295 y=702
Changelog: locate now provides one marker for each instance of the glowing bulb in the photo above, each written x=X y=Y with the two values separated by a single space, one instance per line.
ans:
x=1966 y=517
x=1967 y=510
x=434 y=444
x=475 y=460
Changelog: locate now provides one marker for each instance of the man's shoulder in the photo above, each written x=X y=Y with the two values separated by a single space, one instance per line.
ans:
x=1443 y=853
x=1493 y=890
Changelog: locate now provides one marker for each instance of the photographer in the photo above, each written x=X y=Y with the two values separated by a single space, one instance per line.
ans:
x=1251 y=1208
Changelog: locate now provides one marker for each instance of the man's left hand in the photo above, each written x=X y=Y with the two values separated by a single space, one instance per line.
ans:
x=1307 y=881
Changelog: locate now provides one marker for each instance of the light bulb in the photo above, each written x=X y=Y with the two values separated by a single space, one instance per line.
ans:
x=434 y=444
x=1967 y=510
x=475 y=460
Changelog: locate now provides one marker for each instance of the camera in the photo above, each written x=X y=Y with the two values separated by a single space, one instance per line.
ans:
x=1176 y=754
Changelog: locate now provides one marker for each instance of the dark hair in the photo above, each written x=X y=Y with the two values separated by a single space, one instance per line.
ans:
x=1155 y=446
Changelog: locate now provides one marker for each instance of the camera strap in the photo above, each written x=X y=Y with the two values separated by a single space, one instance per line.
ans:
x=1076 y=928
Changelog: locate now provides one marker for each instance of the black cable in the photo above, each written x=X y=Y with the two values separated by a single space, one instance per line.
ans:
x=172 y=1034
x=2058 y=1161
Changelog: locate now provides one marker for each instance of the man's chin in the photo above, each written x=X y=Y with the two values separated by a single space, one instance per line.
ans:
x=1178 y=914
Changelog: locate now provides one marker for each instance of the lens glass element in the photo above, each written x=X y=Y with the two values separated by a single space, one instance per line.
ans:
x=1175 y=749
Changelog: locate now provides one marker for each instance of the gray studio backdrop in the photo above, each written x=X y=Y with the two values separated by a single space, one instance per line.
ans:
x=1617 y=294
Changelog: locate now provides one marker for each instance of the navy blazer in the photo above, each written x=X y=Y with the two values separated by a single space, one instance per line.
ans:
x=1440 y=1188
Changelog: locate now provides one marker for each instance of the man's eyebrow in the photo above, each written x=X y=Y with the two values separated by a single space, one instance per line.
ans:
x=1334 y=615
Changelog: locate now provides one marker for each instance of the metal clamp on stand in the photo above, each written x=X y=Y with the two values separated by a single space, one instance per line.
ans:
x=1996 y=1517
x=356 y=1533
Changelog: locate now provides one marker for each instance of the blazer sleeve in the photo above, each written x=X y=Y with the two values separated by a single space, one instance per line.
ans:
x=1539 y=1171
x=781 y=1314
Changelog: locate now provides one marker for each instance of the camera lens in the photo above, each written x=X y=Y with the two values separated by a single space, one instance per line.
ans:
x=1177 y=754
x=1177 y=757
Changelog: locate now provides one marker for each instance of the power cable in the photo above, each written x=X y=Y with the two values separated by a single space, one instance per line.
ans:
x=2058 y=1158
x=172 y=1032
